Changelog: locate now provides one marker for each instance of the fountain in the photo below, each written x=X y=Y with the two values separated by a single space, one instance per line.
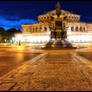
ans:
x=59 y=32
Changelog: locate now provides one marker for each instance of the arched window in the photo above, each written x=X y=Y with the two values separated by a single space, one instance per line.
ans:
x=72 y=28
x=45 y=29
x=36 y=29
x=44 y=17
x=52 y=18
x=84 y=29
x=65 y=17
x=80 y=28
x=76 y=28
x=47 y=17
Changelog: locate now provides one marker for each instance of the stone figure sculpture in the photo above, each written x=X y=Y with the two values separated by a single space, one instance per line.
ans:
x=58 y=10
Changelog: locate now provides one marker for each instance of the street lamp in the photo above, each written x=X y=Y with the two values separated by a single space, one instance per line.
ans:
x=19 y=38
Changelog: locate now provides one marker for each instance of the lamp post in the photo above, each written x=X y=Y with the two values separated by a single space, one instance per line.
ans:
x=19 y=42
x=19 y=38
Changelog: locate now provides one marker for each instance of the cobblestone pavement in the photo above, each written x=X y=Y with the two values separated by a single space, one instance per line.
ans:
x=11 y=59
x=50 y=72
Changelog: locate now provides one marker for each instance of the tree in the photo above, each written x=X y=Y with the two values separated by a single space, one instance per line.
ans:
x=1 y=29
x=10 y=33
x=2 y=34
x=6 y=36
x=19 y=31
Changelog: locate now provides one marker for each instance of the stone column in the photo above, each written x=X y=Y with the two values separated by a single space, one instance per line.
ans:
x=43 y=29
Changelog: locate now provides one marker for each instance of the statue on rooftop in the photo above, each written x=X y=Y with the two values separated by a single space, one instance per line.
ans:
x=58 y=9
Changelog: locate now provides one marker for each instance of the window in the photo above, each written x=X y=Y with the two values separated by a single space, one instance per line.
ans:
x=52 y=18
x=84 y=28
x=45 y=29
x=47 y=17
x=72 y=28
x=40 y=28
x=76 y=28
x=80 y=28
x=44 y=17
x=35 y=29
x=65 y=17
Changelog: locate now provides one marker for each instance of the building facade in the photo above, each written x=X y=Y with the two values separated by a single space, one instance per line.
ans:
x=39 y=33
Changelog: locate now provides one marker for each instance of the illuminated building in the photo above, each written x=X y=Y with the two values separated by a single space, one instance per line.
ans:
x=39 y=33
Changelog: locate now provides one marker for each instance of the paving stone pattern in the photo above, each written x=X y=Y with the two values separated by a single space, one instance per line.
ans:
x=49 y=72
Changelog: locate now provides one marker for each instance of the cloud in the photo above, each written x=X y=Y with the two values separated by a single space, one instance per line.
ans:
x=13 y=18
x=14 y=22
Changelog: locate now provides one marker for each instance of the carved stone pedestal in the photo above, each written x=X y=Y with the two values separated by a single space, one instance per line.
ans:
x=58 y=44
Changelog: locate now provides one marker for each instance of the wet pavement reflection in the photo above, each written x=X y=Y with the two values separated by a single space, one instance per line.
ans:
x=11 y=58
x=45 y=70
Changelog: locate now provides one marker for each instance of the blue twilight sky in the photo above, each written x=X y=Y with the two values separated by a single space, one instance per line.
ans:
x=15 y=13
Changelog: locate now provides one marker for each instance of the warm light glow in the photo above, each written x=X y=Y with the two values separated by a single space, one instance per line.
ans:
x=48 y=31
x=68 y=30
x=20 y=48
x=53 y=39
x=79 y=38
x=19 y=37
x=38 y=38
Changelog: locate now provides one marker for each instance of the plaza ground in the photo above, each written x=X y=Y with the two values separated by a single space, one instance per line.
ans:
x=26 y=69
